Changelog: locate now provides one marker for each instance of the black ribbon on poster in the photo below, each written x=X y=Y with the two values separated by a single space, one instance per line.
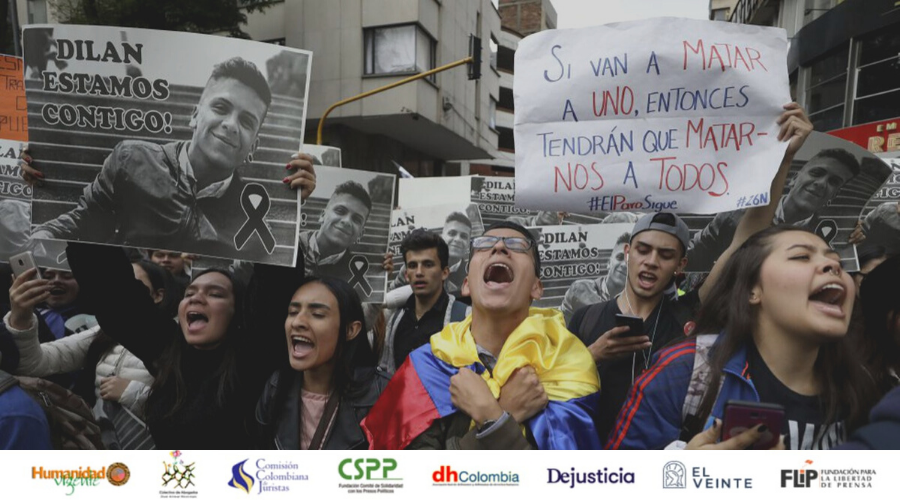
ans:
x=827 y=230
x=255 y=210
x=359 y=265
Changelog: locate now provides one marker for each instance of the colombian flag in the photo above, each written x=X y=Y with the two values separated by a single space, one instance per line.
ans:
x=419 y=393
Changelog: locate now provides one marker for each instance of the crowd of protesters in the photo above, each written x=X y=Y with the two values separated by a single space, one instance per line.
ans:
x=289 y=358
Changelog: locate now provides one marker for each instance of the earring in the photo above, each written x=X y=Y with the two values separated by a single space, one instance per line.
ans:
x=249 y=158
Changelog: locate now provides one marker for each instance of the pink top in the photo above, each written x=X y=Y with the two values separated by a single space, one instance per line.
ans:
x=311 y=412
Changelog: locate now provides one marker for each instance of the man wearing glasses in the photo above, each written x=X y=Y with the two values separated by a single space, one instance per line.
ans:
x=498 y=379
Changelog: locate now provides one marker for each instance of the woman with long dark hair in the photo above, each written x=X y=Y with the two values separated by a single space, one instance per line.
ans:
x=781 y=309
x=318 y=402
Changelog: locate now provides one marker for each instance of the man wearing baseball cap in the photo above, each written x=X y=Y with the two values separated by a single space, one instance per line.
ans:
x=654 y=256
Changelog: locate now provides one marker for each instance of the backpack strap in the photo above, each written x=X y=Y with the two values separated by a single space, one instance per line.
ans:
x=697 y=387
x=590 y=320
x=458 y=311
x=7 y=381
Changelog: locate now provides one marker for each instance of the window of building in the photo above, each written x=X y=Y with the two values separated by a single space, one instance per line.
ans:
x=878 y=78
x=495 y=47
x=506 y=58
x=398 y=50
x=37 y=11
x=506 y=101
x=492 y=113
x=719 y=15
x=506 y=140
x=827 y=90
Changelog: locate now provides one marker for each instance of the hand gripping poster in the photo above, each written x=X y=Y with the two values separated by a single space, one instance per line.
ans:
x=830 y=182
x=345 y=228
x=660 y=114
x=165 y=140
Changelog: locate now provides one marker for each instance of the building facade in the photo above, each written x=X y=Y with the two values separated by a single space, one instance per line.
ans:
x=844 y=58
x=519 y=18
x=360 y=45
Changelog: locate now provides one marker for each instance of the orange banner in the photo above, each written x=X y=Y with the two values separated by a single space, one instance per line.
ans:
x=13 y=111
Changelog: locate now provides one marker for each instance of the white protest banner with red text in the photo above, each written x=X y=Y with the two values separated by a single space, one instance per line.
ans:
x=632 y=117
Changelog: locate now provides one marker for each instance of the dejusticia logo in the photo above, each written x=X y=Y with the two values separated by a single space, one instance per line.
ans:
x=599 y=476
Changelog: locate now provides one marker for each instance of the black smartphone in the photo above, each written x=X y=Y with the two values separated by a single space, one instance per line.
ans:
x=743 y=415
x=635 y=325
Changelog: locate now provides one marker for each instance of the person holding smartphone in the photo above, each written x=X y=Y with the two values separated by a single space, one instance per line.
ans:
x=655 y=254
x=781 y=308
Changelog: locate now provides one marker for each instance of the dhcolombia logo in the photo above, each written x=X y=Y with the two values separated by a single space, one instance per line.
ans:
x=446 y=476
x=600 y=476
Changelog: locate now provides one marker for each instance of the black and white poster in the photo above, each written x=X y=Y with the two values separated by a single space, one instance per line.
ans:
x=345 y=228
x=881 y=216
x=830 y=182
x=581 y=264
x=165 y=140
x=15 y=202
x=323 y=155
x=457 y=225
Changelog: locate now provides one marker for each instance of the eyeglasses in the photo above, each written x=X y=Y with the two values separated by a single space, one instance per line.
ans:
x=514 y=243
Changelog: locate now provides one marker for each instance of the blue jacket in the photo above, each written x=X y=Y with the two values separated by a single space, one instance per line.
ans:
x=652 y=415
x=23 y=425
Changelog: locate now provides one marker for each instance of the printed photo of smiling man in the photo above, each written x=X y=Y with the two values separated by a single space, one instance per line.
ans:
x=196 y=166
x=346 y=225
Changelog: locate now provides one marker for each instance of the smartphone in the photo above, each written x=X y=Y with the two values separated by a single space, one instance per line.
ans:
x=743 y=415
x=23 y=262
x=635 y=325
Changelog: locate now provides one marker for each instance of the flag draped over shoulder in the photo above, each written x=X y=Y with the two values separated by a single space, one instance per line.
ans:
x=419 y=393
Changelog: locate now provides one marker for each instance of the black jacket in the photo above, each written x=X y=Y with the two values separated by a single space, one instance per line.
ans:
x=278 y=411
x=126 y=313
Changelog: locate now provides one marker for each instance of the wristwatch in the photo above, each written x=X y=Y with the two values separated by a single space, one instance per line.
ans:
x=487 y=424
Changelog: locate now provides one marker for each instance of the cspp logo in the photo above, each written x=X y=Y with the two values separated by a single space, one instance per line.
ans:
x=178 y=477
x=269 y=476
x=446 y=476
x=117 y=474
x=369 y=475
x=799 y=478
x=828 y=478
x=600 y=476
x=674 y=475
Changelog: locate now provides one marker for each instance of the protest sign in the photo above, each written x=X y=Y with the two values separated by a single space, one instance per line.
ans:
x=457 y=225
x=15 y=202
x=628 y=117
x=829 y=183
x=581 y=265
x=13 y=111
x=323 y=155
x=881 y=215
x=345 y=228
x=145 y=150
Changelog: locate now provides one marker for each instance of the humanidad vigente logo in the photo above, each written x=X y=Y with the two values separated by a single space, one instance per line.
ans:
x=116 y=474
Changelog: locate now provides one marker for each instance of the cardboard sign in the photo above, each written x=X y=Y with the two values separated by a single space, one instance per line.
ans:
x=663 y=114
x=163 y=140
